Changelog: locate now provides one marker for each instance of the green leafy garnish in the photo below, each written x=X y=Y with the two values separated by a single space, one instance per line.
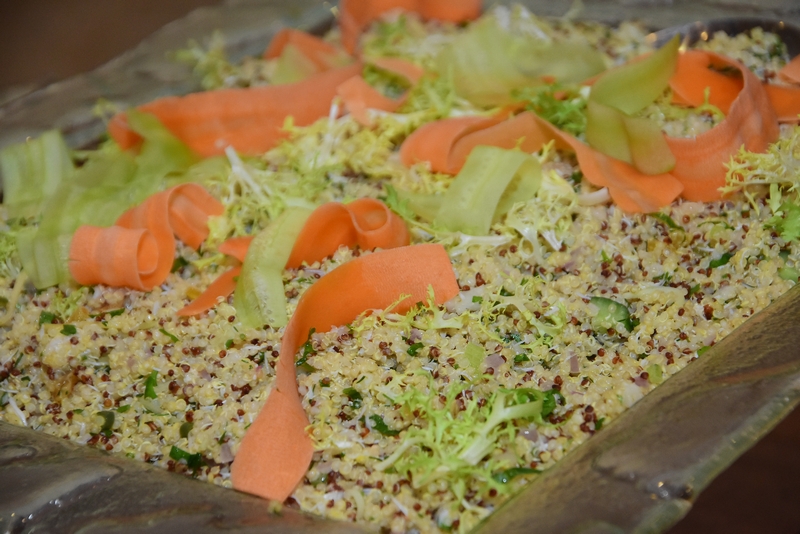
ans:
x=123 y=409
x=567 y=112
x=179 y=263
x=193 y=461
x=786 y=221
x=599 y=423
x=379 y=425
x=108 y=423
x=46 y=318
x=664 y=278
x=150 y=385
x=413 y=348
x=185 y=429
x=354 y=396
x=308 y=350
x=666 y=219
x=458 y=449
x=69 y=330
x=655 y=375
x=719 y=262
x=396 y=204
x=475 y=355
x=173 y=337
x=386 y=82
x=609 y=313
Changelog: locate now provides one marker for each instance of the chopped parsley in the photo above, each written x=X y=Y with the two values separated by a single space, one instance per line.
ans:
x=69 y=330
x=193 y=461
x=413 y=348
x=308 y=350
x=379 y=425
x=354 y=396
x=185 y=429
x=108 y=423
x=666 y=219
x=787 y=221
x=150 y=385
x=599 y=423
x=179 y=263
x=173 y=337
x=719 y=262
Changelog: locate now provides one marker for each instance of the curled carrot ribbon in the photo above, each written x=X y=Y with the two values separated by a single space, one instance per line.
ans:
x=138 y=251
x=365 y=222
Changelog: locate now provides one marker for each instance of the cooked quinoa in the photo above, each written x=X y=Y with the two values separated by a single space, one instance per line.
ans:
x=117 y=369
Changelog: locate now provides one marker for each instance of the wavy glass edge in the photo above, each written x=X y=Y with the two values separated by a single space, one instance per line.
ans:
x=640 y=474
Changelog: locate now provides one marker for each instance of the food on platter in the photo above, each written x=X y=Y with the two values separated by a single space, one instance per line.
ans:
x=391 y=274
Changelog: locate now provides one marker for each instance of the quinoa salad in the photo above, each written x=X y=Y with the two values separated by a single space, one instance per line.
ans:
x=568 y=302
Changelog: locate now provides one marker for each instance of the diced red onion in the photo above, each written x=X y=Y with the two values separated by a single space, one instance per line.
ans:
x=494 y=360
x=530 y=433
x=574 y=366
x=225 y=454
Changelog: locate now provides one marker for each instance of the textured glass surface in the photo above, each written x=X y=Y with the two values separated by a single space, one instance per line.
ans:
x=639 y=474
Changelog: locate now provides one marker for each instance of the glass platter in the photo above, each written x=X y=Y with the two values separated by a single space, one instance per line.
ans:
x=640 y=474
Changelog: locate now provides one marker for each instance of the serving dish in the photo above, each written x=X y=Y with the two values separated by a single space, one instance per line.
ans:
x=613 y=459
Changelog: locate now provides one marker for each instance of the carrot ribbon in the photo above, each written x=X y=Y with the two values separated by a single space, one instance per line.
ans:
x=447 y=143
x=750 y=122
x=276 y=450
x=138 y=251
x=323 y=55
x=791 y=71
x=699 y=72
x=359 y=96
x=699 y=170
x=366 y=223
x=250 y=120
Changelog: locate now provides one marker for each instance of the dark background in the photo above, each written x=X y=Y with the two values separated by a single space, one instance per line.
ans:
x=42 y=41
